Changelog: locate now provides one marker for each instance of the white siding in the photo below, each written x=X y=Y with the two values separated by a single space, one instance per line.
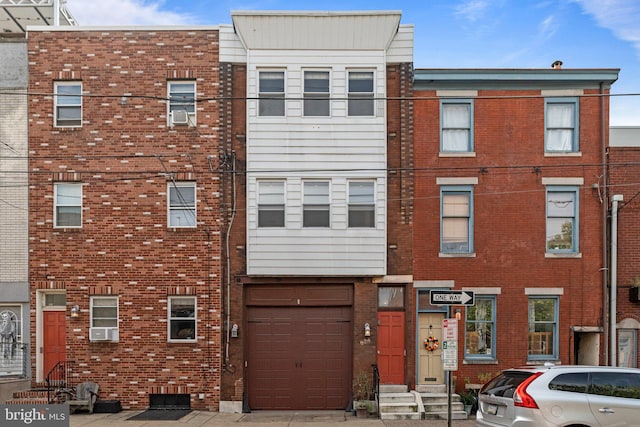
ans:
x=401 y=49
x=231 y=49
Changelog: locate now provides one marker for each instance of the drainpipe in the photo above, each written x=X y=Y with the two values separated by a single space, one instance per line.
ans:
x=614 y=274
x=604 y=201
x=56 y=13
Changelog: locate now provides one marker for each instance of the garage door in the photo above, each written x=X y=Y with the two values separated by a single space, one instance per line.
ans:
x=299 y=358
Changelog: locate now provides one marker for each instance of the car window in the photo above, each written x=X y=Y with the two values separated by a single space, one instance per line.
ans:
x=616 y=384
x=575 y=382
x=504 y=385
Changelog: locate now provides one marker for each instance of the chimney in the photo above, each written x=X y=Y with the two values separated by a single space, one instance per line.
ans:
x=557 y=65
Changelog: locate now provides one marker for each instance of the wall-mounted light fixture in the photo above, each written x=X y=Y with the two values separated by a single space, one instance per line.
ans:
x=234 y=331
x=458 y=314
x=367 y=330
x=75 y=311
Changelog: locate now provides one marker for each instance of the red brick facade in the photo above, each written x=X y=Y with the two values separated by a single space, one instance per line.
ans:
x=127 y=158
x=509 y=218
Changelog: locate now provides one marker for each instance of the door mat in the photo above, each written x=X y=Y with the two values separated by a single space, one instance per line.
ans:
x=161 y=414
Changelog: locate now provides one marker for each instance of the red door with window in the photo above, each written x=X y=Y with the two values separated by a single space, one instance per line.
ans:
x=391 y=347
x=54 y=339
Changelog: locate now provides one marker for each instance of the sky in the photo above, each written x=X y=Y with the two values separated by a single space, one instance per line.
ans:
x=450 y=33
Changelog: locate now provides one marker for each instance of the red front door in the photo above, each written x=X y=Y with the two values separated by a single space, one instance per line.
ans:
x=391 y=349
x=54 y=340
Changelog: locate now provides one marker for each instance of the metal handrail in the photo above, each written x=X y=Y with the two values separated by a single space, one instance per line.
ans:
x=56 y=379
x=376 y=387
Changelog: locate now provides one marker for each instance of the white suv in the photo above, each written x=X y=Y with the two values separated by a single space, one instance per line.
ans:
x=576 y=396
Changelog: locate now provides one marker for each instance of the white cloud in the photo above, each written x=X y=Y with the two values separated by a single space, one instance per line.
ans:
x=124 y=12
x=622 y=17
x=472 y=10
x=547 y=28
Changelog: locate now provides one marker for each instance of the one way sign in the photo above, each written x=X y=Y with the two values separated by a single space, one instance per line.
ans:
x=452 y=298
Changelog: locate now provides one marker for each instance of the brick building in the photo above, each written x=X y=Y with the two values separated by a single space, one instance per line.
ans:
x=624 y=167
x=124 y=227
x=319 y=242
x=511 y=207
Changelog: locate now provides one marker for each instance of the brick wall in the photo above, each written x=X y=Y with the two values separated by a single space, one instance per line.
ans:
x=125 y=156
x=510 y=214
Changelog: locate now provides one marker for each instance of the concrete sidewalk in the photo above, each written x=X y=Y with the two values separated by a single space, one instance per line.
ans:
x=256 y=419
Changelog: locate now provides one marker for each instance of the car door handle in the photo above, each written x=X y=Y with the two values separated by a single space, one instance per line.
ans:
x=606 y=411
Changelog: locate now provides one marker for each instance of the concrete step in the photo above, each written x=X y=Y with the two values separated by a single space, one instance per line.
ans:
x=401 y=416
x=398 y=407
x=442 y=407
x=431 y=388
x=397 y=397
x=393 y=388
x=455 y=415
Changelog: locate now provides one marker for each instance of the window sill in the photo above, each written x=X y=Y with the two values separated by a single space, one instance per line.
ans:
x=449 y=255
x=178 y=229
x=453 y=154
x=563 y=154
x=551 y=359
x=469 y=361
x=563 y=255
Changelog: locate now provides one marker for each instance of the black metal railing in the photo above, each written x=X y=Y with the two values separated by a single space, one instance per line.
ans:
x=56 y=380
x=376 y=387
x=14 y=358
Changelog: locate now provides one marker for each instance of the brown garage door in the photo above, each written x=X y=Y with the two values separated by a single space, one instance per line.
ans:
x=299 y=357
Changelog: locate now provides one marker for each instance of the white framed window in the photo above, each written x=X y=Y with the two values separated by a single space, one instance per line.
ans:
x=68 y=104
x=316 y=93
x=182 y=204
x=67 y=212
x=182 y=318
x=10 y=325
x=627 y=348
x=456 y=219
x=316 y=206
x=543 y=328
x=182 y=103
x=480 y=324
x=104 y=312
x=562 y=219
x=271 y=205
x=362 y=204
x=456 y=125
x=271 y=93
x=561 y=124
x=360 y=93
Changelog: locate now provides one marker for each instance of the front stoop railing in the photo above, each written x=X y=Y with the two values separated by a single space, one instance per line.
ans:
x=57 y=379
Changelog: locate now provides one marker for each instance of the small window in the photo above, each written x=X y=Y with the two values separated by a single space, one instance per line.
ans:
x=11 y=327
x=362 y=204
x=182 y=104
x=561 y=118
x=480 y=328
x=543 y=328
x=316 y=210
x=361 y=100
x=182 y=204
x=457 y=220
x=271 y=93
x=68 y=104
x=68 y=205
x=574 y=382
x=55 y=300
x=562 y=219
x=390 y=297
x=182 y=319
x=456 y=126
x=271 y=204
x=104 y=312
x=615 y=384
x=316 y=93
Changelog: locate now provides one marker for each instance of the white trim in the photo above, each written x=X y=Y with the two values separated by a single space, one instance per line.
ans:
x=544 y=291
x=561 y=92
x=456 y=93
x=457 y=181
x=628 y=323
x=563 y=255
x=408 y=278
x=562 y=181
x=450 y=154
x=434 y=284
x=484 y=291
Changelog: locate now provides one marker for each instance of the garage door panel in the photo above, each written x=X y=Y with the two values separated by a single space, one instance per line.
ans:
x=299 y=357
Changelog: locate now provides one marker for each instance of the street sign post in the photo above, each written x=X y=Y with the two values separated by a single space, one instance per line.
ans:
x=452 y=297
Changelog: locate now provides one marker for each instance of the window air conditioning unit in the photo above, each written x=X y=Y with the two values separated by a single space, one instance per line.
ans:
x=103 y=334
x=179 y=117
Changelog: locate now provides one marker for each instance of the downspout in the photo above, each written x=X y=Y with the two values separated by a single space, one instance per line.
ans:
x=56 y=13
x=604 y=202
x=614 y=275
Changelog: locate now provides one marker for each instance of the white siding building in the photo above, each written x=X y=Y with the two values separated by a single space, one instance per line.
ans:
x=316 y=138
